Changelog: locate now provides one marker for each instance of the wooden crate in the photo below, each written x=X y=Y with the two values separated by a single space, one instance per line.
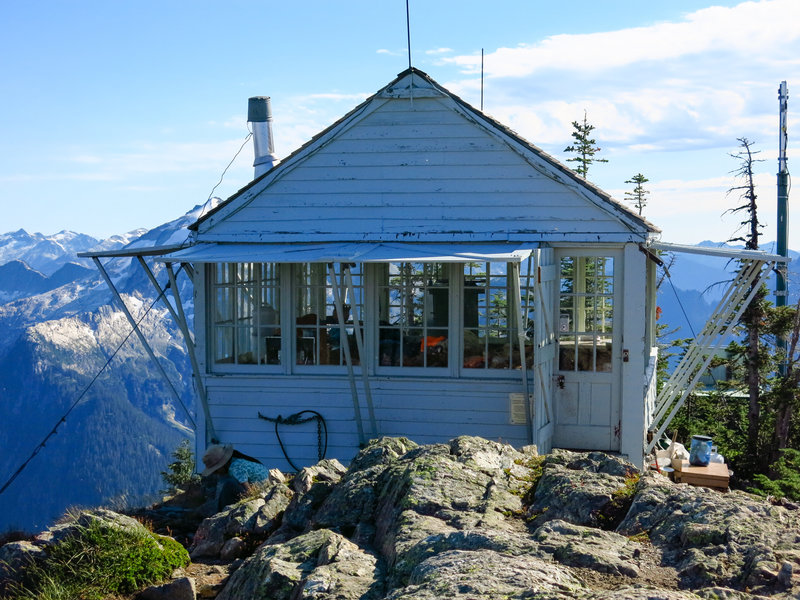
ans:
x=714 y=476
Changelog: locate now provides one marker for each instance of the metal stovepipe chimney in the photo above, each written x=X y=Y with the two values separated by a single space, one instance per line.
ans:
x=259 y=115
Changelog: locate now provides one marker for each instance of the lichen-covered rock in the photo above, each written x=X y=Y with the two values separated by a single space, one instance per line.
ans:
x=644 y=592
x=319 y=565
x=311 y=487
x=732 y=540
x=590 y=548
x=437 y=489
x=14 y=557
x=350 y=507
x=579 y=488
x=84 y=519
x=485 y=574
x=181 y=588
x=478 y=519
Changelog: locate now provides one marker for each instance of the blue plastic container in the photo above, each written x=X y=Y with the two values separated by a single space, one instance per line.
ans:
x=700 y=453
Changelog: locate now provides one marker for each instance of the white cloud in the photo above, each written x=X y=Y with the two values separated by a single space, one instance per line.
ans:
x=702 y=81
x=437 y=51
x=745 y=28
x=689 y=211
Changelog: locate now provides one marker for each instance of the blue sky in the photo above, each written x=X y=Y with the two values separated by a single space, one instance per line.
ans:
x=119 y=115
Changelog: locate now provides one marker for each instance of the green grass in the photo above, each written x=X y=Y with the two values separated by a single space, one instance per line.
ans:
x=101 y=560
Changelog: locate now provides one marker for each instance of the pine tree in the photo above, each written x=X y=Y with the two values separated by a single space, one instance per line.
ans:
x=754 y=315
x=639 y=194
x=584 y=147
x=181 y=471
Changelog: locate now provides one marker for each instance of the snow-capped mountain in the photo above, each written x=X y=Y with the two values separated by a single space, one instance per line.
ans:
x=59 y=326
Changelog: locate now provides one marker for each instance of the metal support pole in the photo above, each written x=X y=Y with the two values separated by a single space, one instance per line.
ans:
x=516 y=309
x=345 y=347
x=781 y=287
x=210 y=432
x=142 y=339
x=180 y=319
x=348 y=279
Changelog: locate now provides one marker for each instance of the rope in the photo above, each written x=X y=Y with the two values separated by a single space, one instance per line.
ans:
x=221 y=177
x=297 y=419
x=63 y=419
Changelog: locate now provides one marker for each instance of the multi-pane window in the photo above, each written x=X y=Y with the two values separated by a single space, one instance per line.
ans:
x=246 y=309
x=490 y=334
x=413 y=314
x=412 y=321
x=318 y=332
x=586 y=313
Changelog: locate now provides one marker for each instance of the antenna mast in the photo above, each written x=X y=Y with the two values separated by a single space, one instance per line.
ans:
x=408 y=33
x=783 y=212
x=481 y=79
x=783 y=196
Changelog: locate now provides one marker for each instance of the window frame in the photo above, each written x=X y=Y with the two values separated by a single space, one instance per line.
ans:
x=369 y=315
x=615 y=333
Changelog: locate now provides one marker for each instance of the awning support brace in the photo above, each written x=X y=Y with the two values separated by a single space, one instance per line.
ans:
x=210 y=433
x=345 y=347
x=516 y=308
x=142 y=339
x=348 y=280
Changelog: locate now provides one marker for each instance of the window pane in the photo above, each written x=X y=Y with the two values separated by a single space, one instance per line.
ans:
x=316 y=319
x=586 y=313
x=489 y=327
x=413 y=306
x=246 y=313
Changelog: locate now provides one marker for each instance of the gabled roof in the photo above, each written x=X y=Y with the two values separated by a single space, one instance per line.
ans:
x=414 y=84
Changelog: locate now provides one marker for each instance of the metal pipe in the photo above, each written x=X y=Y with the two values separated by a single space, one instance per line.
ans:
x=516 y=308
x=210 y=432
x=142 y=339
x=781 y=287
x=345 y=347
x=259 y=116
x=348 y=278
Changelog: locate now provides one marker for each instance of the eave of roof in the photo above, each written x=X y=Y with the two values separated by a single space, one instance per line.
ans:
x=130 y=252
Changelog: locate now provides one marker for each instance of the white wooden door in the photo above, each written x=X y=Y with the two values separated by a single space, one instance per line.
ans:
x=544 y=346
x=587 y=405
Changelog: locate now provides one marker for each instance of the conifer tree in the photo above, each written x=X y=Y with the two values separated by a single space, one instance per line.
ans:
x=584 y=147
x=754 y=314
x=639 y=194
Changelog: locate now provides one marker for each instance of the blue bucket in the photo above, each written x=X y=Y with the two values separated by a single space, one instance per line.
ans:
x=700 y=453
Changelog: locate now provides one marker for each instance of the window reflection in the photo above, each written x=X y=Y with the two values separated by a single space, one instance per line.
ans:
x=318 y=332
x=414 y=306
x=246 y=300
x=586 y=313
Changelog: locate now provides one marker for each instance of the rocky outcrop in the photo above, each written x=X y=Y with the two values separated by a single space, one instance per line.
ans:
x=220 y=536
x=479 y=519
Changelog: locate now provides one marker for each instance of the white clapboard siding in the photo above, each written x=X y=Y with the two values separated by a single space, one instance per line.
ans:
x=425 y=410
x=422 y=170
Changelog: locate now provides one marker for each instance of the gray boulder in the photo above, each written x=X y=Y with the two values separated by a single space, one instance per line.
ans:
x=319 y=565
x=580 y=488
x=485 y=574
x=181 y=588
x=311 y=487
x=733 y=540
x=590 y=548
x=258 y=516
